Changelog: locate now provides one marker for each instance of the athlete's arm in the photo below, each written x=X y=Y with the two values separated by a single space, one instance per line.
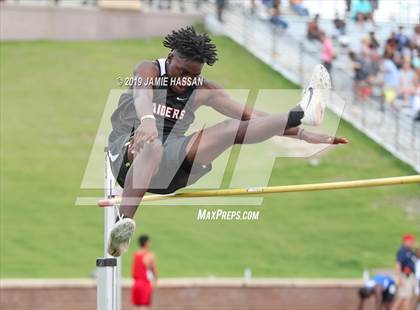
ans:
x=143 y=96
x=222 y=102
x=219 y=99
x=150 y=263
x=153 y=267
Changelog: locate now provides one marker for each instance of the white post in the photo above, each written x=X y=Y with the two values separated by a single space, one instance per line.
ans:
x=106 y=298
x=109 y=268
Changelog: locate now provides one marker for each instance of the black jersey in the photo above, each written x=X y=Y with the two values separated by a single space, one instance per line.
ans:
x=173 y=112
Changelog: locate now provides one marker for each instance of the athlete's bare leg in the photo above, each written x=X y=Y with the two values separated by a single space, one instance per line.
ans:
x=213 y=141
x=208 y=144
x=143 y=167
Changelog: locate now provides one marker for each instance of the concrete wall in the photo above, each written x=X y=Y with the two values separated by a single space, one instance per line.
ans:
x=189 y=294
x=20 y=22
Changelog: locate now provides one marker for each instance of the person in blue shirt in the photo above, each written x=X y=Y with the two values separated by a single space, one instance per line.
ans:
x=276 y=18
x=404 y=269
x=402 y=39
x=361 y=10
x=382 y=288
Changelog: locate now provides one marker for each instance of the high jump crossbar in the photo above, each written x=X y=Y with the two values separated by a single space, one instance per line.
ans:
x=412 y=179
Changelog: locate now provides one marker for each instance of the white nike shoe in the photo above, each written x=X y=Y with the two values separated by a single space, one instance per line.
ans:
x=120 y=236
x=315 y=96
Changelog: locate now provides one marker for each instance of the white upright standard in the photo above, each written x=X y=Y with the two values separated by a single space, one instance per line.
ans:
x=108 y=268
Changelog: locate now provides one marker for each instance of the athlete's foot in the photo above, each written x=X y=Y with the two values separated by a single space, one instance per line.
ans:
x=120 y=236
x=315 y=97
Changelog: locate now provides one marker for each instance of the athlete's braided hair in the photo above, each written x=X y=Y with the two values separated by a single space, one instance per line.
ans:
x=191 y=45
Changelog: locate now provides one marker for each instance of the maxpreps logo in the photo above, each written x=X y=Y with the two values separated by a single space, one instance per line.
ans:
x=220 y=214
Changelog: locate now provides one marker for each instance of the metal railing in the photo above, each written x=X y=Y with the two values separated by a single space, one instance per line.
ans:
x=291 y=54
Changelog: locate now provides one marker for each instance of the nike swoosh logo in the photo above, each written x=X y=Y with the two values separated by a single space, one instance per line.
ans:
x=311 y=93
x=113 y=157
x=181 y=99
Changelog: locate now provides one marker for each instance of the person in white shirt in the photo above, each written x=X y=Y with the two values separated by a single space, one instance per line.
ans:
x=408 y=82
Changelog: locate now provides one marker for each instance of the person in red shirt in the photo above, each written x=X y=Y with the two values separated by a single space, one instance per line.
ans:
x=144 y=273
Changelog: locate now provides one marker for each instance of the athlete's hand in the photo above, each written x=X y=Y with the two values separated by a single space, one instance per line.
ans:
x=317 y=138
x=145 y=133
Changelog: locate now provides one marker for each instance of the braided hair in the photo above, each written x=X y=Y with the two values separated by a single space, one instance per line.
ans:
x=190 y=45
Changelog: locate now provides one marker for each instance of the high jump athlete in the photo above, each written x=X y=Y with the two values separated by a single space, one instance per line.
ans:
x=148 y=148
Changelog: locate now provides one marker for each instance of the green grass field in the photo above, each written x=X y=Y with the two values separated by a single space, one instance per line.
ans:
x=52 y=98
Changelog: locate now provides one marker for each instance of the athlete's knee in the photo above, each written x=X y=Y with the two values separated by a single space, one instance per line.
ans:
x=149 y=158
x=154 y=146
x=236 y=128
x=230 y=124
x=241 y=132
x=153 y=149
x=152 y=153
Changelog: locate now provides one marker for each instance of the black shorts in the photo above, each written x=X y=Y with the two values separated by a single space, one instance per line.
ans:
x=175 y=170
x=387 y=296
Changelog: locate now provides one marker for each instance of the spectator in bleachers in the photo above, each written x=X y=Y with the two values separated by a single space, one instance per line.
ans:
x=339 y=24
x=268 y=4
x=297 y=6
x=371 y=61
x=361 y=11
x=375 y=4
x=276 y=18
x=391 y=80
x=348 y=6
x=369 y=55
x=391 y=45
x=401 y=56
x=327 y=53
x=374 y=44
x=374 y=66
x=220 y=7
x=402 y=39
x=404 y=50
x=408 y=82
x=340 y=31
x=253 y=7
x=415 y=104
x=415 y=60
x=415 y=38
x=314 y=32
x=366 y=47
x=361 y=75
